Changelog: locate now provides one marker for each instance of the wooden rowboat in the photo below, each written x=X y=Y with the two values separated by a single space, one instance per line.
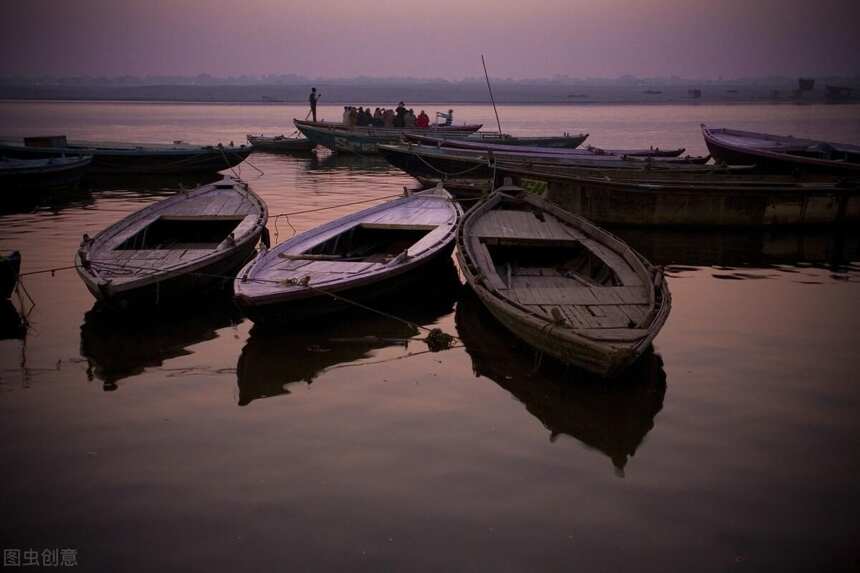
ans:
x=130 y=158
x=481 y=140
x=175 y=247
x=363 y=257
x=782 y=154
x=281 y=143
x=428 y=161
x=561 y=284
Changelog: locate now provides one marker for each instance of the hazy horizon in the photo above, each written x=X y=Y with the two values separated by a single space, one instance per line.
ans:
x=444 y=40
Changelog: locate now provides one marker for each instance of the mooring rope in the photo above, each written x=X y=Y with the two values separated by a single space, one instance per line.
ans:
x=436 y=339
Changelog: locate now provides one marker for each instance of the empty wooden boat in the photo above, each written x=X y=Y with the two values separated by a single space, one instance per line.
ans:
x=363 y=256
x=42 y=174
x=430 y=161
x=481 y=140
x=561 y=284
x=173 y=248
x=281 y=143
x=782 y=154
x=130 y=158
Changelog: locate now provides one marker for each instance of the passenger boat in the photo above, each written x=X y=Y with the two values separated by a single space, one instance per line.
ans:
x=10 y=269
x=130 y=158
x=41 y=174
x=564 y=286
x=176 y=247
x=281 y=143
x=782 y=154
x=722 y=198
x=338 y=137
x=490 y=140
x=363 y=256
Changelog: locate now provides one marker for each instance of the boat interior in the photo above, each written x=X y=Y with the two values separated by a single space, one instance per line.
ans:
x=370 y=243
x=527 y=264
x=172 y=233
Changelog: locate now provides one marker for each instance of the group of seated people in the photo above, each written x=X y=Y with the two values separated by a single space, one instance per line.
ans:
x=393 y=118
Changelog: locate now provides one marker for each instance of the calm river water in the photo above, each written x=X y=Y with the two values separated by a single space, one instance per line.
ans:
x=190 y=441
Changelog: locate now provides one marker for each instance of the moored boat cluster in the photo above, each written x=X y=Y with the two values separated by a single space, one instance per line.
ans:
x=532 y=248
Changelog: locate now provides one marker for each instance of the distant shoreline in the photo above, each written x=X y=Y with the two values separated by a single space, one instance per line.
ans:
x=338 y=103
x=432 y=93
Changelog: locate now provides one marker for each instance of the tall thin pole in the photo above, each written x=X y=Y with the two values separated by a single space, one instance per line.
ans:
x=486 y=75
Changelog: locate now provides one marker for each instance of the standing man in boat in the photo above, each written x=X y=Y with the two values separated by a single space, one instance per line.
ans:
x=312 y=99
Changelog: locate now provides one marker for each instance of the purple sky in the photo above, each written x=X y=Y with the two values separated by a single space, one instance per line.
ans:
x=439 y=38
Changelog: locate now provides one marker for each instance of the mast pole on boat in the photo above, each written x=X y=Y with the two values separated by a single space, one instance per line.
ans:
x=492 y=99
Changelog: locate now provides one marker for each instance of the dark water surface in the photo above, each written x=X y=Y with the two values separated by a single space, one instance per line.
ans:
x=191 y=441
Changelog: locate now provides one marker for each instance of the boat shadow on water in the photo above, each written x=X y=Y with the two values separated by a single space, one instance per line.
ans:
x=611 y=417
x=349 y=162
x=146 y=184
x=120 y=345
x=275 y=358
x=826 y=248
x=12 y=324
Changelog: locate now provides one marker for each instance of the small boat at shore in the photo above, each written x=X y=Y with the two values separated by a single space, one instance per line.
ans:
x=561 y=284
x=338 y=137
x=489 y=140
x=130 y=158
x=176 y=247
x=782 y=154
x=41 y=174
x=281 y=143
x=10 y=269
x=364 y=256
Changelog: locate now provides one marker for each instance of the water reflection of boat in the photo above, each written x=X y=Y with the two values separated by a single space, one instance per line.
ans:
x=612 y=418
x=148 y=184
x=744 y=247
x=11 y=323
x=273 y=359
x=120 y=346
x=349 y=162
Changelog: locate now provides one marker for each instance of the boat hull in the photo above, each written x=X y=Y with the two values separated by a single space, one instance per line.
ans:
x=44 y=177
x=601 y=356
x=477 y=140
x=317 y=303
x=281 y=144
x=363 y=140
x=130 y=161
x=608 y=202
x=218 y=274
x=774 y=161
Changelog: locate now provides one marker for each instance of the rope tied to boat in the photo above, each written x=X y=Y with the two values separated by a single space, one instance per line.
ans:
x=445 y=174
